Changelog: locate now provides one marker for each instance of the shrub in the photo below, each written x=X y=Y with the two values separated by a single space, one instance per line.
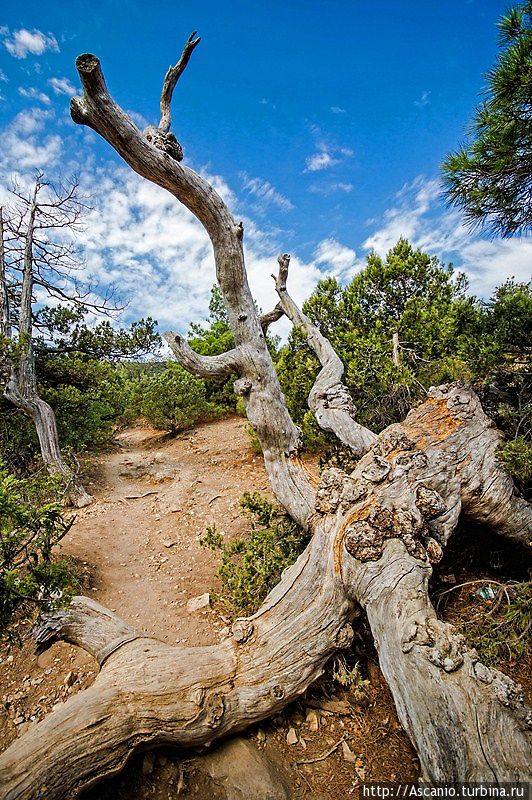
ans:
x=173 y=399
x=516 y=458
x=31 y=525
x=251 y=567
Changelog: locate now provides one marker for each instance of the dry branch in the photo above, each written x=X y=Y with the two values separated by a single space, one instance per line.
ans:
x=329 y=399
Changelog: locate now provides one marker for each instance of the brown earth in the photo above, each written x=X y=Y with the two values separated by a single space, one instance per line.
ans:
x=138 y=544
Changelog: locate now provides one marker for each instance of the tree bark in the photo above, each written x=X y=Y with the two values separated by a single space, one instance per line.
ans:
x=375 y=534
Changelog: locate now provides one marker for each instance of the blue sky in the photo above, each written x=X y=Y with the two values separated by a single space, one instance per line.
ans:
x=322 y=122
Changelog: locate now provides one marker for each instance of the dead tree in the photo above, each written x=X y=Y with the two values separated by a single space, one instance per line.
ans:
x=33 y=256
x=375 y=534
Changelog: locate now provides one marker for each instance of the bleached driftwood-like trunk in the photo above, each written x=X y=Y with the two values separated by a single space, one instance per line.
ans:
x=21 y=383
x=375 y=533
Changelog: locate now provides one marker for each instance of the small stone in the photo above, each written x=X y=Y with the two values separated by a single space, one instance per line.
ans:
x=313 y=721
x=303 y=743
x=348 y=754
x=291 y=736
x=198 y=603
x=168 y=543
x=261 y=736
x=70 y=679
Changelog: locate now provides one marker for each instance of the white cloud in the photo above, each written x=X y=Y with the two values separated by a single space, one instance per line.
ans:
x=321 y=160
x=337 y=110
x=326 y=156
x=23 y=42
x=340 y=260
x=3 y=76
x=423 y=99
x=62 y=86
x=265 y=192
x=417 y=216
x=331 y=188
x=26 y=145
x=34 y=94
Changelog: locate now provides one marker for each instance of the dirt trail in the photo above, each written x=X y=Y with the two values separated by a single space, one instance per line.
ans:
x=153 y=500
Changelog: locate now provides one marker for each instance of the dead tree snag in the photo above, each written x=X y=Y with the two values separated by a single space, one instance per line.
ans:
x=20 y=385
x=375 y=533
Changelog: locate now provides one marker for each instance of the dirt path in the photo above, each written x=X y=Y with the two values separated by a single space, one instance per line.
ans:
x=154 y=499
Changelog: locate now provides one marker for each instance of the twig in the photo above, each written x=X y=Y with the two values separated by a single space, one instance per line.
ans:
x=324 y=755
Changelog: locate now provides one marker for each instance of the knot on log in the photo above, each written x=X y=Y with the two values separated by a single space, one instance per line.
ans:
x=214 y=709
x=407 y=461
x=365 y=538
x=277 y=692
x=408 y=526
x=429 y=502
x=242 y=630
x=381 y=518
x=353 y=491
x=395 y=440
x=445 y=648
x=242 y=386
x=434 y=550
x=377 y=470
x=330 y=490
x=363 y=541
x=345 y=636
x=166 y=142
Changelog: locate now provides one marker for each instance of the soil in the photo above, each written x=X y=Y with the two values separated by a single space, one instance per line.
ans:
x=138 y=548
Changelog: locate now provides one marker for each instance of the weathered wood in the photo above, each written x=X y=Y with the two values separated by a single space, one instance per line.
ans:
x=218 y=367
x=257 y=384
x=329 y=399
x=375 y=533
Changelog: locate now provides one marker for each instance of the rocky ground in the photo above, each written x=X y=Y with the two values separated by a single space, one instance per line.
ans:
x=138 y=552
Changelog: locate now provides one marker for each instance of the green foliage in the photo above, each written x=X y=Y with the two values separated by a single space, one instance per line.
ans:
x=349 y=677
x=172 y=399
x=490 y=179
x=504 y=631
x=444 y=335
x=64 y=328
x=31 y=525
x=211 y=340
x=408 y=293
x=251 y=567
x=516 y=457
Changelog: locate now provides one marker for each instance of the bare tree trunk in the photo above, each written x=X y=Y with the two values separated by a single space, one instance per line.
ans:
x=21 y=385
x=375 y=534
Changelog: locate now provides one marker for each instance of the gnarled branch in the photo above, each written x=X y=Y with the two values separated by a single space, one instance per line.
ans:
x=375 y=533
x=265 y=405
x=329 y=399
x=219 y=366
x=171 y=78
x=272 y=316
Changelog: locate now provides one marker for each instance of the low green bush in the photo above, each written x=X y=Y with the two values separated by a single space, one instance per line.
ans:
x=250 y=567
x=31 y=524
